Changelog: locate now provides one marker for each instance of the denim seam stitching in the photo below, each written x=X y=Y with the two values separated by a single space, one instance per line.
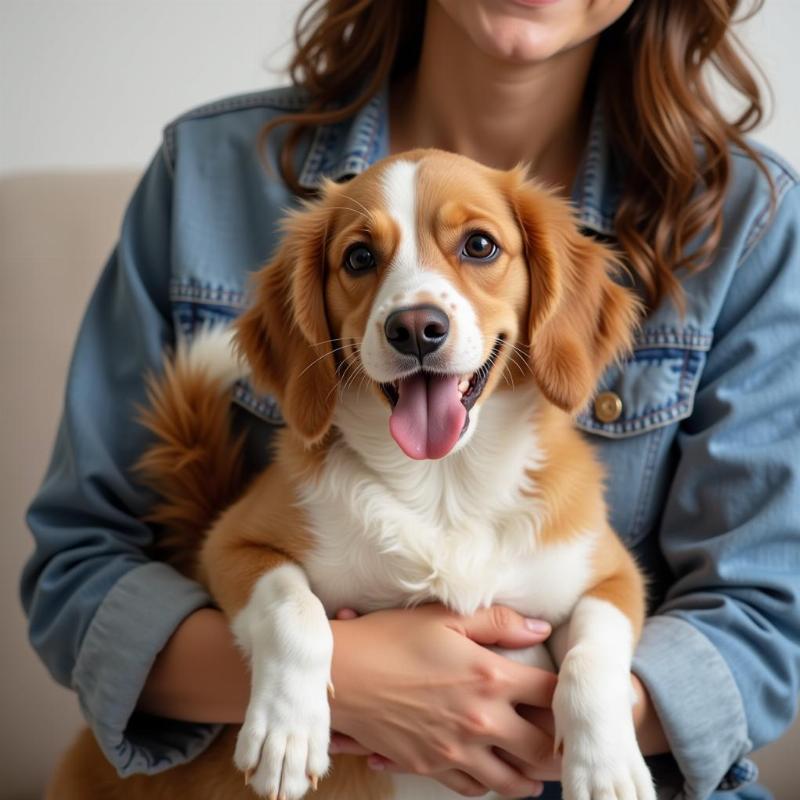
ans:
x=270 y=99
x=168 y=155
x=356 y=159
x=690 y=340
x=685 y=381
x=276 y=100
x=309 y=174
x=783 y=184
x=182 y=291
x=373 y=119
x=264 y=408
x=651 y=421
x=786 y=169
x=647 y=481
x=593 y=218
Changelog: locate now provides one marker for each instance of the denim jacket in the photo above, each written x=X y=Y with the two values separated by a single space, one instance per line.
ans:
x=699 y=429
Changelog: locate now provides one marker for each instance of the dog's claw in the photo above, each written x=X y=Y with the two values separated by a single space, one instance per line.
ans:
x=331 y=692
x=314 y=781
x=248 y=774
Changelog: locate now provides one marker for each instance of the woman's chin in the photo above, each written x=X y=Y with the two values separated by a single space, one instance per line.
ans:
x=507 y=37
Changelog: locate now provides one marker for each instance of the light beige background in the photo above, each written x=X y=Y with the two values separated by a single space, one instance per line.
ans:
x=85 y=87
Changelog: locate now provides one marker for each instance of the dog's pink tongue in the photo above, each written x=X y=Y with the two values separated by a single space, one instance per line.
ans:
x=429 y=416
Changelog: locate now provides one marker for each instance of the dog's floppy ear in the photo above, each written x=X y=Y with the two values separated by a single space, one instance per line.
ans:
x=580 y=319
x=284 y=335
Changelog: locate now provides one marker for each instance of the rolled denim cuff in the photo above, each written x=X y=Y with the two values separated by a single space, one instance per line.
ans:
x=697 y=702
x=131 y=626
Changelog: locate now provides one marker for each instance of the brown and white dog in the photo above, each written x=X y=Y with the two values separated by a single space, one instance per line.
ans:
x=428 y=329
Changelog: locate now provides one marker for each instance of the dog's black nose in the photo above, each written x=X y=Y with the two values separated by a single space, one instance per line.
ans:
x=417 y=331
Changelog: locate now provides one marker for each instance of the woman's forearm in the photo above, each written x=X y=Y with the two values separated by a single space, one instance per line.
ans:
x=200 y=675
x=649 y=732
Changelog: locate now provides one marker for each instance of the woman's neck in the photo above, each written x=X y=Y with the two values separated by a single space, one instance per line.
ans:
x=499 y=113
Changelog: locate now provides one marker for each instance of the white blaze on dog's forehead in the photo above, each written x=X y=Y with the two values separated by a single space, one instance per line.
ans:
x=400 y=194
x=408 y=282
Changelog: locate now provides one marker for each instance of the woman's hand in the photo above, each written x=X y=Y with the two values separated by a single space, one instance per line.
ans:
x=419 y=687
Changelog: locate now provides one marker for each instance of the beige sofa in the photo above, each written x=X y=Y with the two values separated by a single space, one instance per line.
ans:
x=56 y=231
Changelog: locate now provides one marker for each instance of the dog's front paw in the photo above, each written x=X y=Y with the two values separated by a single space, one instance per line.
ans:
x=592 y=709
x=613 y=772
x=283 y=745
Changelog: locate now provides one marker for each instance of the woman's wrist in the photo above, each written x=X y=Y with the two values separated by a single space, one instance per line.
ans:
x=200 y=675
x=343 y=669
x=649 y=732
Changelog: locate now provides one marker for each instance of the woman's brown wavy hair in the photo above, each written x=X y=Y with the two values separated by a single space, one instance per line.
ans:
x=651 y=75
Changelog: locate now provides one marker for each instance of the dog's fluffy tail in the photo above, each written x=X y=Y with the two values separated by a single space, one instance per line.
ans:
x=195 y=464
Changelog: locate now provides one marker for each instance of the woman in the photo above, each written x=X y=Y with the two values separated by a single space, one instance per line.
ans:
x=700 y=429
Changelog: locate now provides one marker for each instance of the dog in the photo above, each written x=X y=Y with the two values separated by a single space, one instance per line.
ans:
x=428 y=329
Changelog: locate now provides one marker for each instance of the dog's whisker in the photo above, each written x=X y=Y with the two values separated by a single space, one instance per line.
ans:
x=352 y=370
x=517 y=349
x=317 y=360
x=346 y=362
x=507 y=377
x=356 y=373
x=515 y=360
x=365 y=213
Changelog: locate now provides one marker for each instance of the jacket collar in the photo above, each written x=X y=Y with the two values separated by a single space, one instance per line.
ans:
x=344 y=149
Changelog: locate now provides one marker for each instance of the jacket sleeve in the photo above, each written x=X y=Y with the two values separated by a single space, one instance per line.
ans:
x=99 y=609
x=721 y=656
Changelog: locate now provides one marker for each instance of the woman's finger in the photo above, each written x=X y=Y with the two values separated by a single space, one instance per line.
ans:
x=380 y=763
x=502 y=627
x=542 y=718
x=541 y=772
x=488 y=769
x=341 y=744
x=461 y=783
x=531 y=686
x=525 y=741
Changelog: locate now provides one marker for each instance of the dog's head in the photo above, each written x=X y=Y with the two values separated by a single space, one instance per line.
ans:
x=427 y=278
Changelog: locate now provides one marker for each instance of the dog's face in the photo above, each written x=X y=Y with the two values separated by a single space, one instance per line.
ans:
x=432 y=281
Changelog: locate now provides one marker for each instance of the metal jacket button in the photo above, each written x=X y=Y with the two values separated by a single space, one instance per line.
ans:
x=607 y=407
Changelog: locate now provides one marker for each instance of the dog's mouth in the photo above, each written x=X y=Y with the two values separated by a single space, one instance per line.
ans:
x=430 y=410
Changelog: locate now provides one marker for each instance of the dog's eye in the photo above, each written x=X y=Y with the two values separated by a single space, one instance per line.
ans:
x=479 y=247
x=359 y=258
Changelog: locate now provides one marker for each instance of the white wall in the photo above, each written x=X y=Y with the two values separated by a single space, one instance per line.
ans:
x=90 y=83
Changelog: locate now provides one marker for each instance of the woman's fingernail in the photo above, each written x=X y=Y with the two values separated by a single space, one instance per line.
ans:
x=375 y=763
x=537 y=789
x=537 y=626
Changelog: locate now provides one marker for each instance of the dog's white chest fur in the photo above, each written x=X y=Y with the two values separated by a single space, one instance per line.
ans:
x=390 y=532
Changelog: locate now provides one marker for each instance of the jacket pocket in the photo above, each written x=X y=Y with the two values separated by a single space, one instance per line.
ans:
x=632 y=422
x=655 y=385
